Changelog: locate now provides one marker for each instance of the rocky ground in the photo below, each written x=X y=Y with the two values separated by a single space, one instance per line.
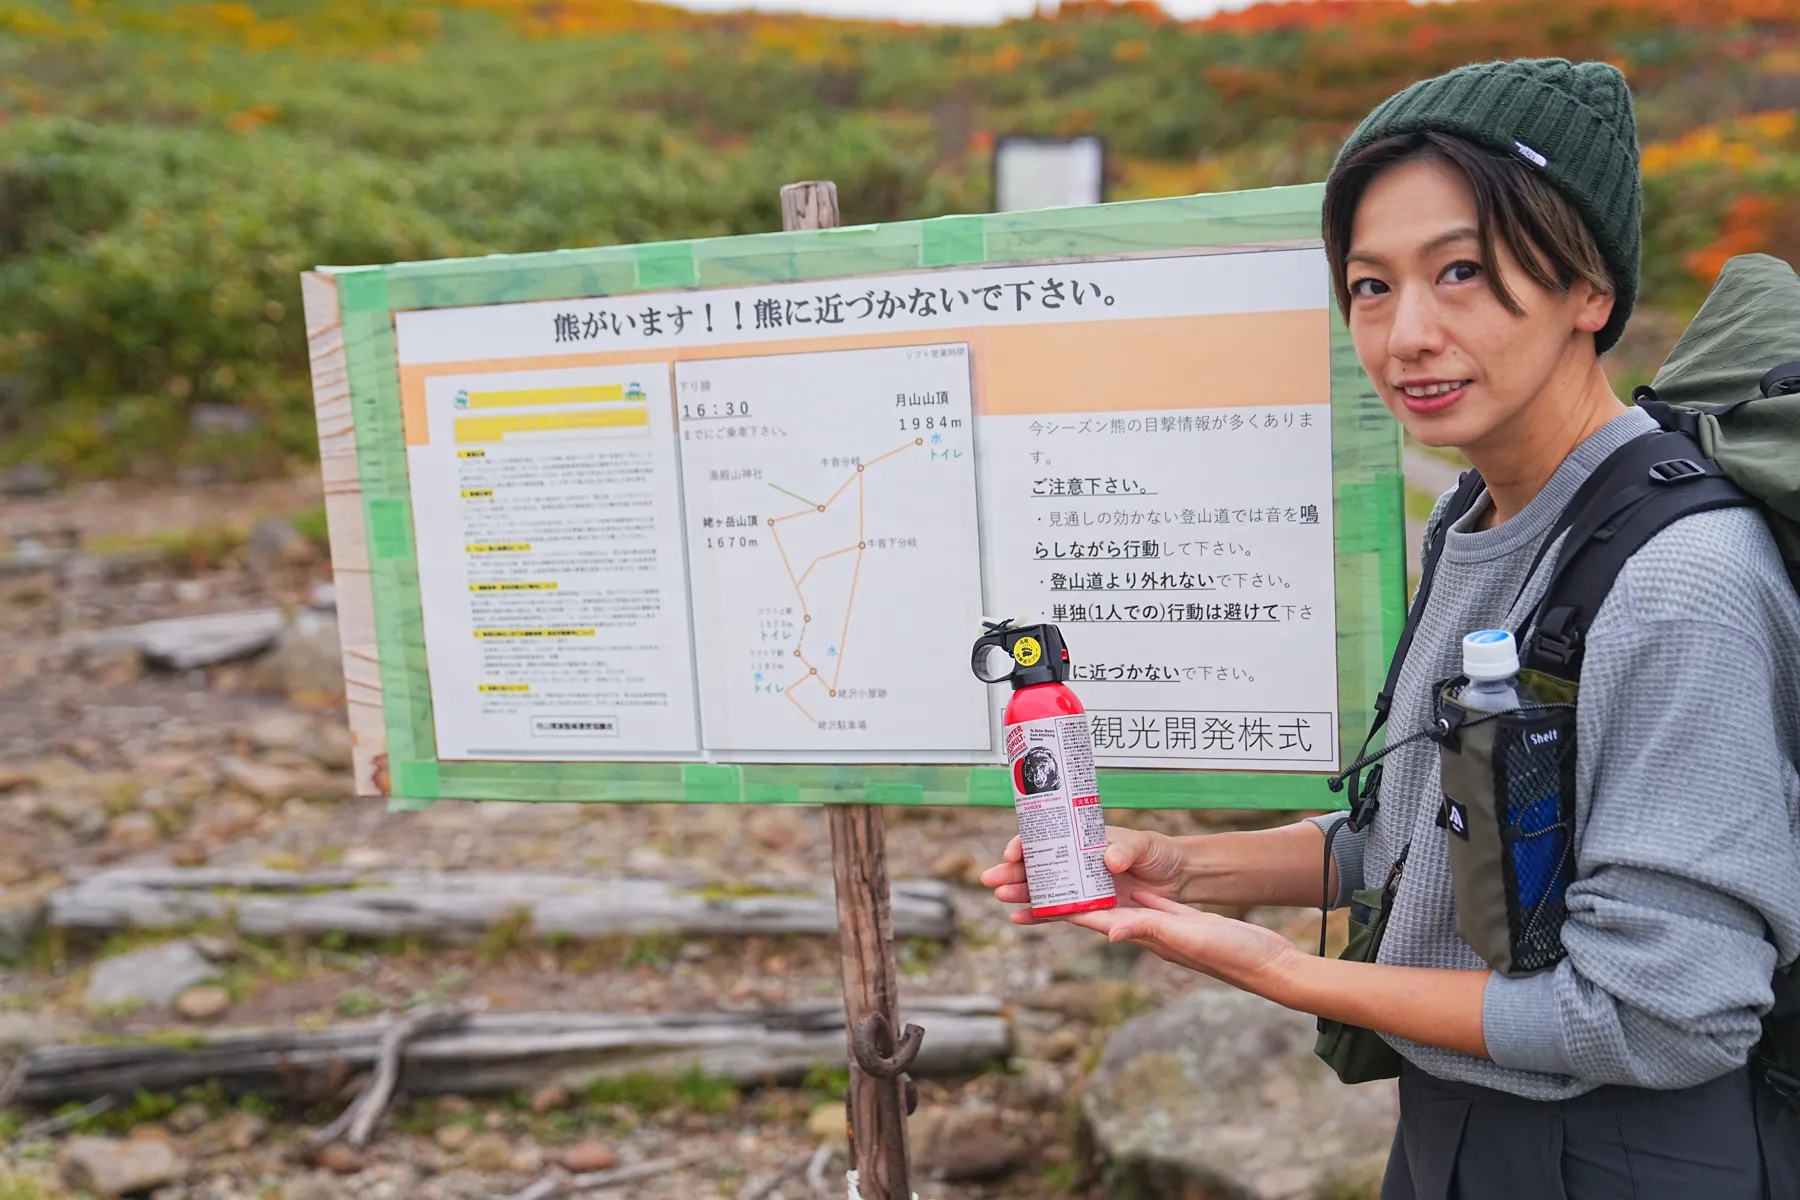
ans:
x=108 y=760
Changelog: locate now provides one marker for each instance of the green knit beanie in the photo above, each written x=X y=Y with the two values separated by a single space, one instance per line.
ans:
x=1572 y=121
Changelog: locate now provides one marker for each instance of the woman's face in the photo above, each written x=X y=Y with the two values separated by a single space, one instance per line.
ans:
x=1449 y=360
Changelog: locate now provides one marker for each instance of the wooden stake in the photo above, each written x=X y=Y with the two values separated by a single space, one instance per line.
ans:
x=879 y=1088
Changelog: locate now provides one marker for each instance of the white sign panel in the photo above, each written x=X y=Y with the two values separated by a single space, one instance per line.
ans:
x=1032 y=173
x=761 y=524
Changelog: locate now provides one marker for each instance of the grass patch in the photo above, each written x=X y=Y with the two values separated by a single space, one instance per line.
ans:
x=23 y=1187
x=310 y=524
x=826 y=1081
x=644 y=1092
x=916 y=955
x=358 y=1002
x=504 y=936
x=740 y=891
x=655 y=950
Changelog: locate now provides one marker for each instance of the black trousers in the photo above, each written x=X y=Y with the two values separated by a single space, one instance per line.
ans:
x=1723 y=1140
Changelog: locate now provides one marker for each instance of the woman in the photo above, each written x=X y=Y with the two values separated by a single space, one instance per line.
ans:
x=1482 y=231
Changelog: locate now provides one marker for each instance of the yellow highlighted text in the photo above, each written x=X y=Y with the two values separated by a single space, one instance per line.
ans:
x=533 y=633
x=531 y=397
x=494 y=429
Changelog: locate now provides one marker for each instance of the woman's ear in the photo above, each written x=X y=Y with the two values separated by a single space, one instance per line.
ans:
x=1593 y=307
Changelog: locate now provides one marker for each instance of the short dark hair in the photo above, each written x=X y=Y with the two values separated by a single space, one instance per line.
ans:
x=1538 y=224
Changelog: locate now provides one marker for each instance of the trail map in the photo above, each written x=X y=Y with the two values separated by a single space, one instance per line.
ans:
x=833 y=548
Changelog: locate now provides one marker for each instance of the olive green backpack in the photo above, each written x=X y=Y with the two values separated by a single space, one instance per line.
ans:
x=1728 y=401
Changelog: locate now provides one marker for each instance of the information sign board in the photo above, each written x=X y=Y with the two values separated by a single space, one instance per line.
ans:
x=717 y=520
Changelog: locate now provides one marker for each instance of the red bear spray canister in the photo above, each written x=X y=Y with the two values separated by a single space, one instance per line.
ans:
x=1056 y=794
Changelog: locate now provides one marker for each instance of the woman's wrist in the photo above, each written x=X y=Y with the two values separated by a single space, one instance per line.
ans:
x=1250 y=867
x=1211 y=870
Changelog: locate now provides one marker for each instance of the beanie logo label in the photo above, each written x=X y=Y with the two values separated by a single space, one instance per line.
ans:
x=1531 y=155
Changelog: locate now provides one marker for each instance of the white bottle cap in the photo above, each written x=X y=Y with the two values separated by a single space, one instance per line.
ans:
x=1489 y=654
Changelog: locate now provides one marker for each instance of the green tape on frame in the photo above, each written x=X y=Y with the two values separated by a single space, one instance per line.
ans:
x=1367 y=490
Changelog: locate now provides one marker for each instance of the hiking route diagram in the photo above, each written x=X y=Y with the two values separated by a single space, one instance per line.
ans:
x=834 y=551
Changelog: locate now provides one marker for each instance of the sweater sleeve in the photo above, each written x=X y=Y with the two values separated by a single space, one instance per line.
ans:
x=1688 y=878
x=1346 y=853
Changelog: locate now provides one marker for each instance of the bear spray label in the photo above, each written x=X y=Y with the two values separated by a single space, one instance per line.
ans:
x=1056 y=797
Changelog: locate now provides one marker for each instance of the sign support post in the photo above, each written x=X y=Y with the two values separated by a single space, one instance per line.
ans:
x=881 y=1093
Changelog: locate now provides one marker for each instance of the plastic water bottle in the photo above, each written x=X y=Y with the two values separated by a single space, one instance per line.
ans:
x=1491 y=661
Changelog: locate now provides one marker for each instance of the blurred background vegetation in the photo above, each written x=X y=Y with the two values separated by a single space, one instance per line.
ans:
x=168 y=169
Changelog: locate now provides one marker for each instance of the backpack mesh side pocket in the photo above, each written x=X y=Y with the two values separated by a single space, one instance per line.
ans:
x=1535 y=785
x=1509 y=819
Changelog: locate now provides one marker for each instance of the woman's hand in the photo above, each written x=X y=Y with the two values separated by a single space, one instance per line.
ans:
x=1243 y=955
x=1140 y=861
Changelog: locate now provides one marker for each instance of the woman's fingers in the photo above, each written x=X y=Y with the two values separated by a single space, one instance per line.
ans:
x=1122 y=924
x=1002 y=874
x=1161 y=903
x=1130 y=851
x=1013 y=893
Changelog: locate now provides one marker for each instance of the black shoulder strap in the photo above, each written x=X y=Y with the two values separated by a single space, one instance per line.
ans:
x=1364 y=801
x=1642 y=488
x=1468 y=488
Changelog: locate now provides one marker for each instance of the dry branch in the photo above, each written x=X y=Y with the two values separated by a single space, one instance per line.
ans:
x=359 y=1119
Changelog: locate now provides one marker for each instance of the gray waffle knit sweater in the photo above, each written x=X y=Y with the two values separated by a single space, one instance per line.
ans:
x=1687 y=804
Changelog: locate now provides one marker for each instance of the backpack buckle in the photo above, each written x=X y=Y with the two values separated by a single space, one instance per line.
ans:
x=1781 y=381
x=1784 y=1084
x=1558 y=638
x=1676 y=470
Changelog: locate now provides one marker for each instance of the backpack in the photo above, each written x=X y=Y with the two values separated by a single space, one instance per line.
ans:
x=1751 y=430
x=1728 y=403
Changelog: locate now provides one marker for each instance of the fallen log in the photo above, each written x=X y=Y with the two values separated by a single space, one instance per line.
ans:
x=461 y=906
x=512 y=1051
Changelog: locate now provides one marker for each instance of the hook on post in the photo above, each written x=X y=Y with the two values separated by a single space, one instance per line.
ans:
x=872 y=1041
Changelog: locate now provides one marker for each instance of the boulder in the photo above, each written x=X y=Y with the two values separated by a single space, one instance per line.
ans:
x=275 y=543
x=154 y=975
x=307 y=664
x=26 y=479
x=1220 y=1094
x=587 y=1156
x=207 y=1002
x=184 y=643
x=340 y=1159
x=110 y=1168
x=280 y=730
x=962 y=1144
x=265 y=781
